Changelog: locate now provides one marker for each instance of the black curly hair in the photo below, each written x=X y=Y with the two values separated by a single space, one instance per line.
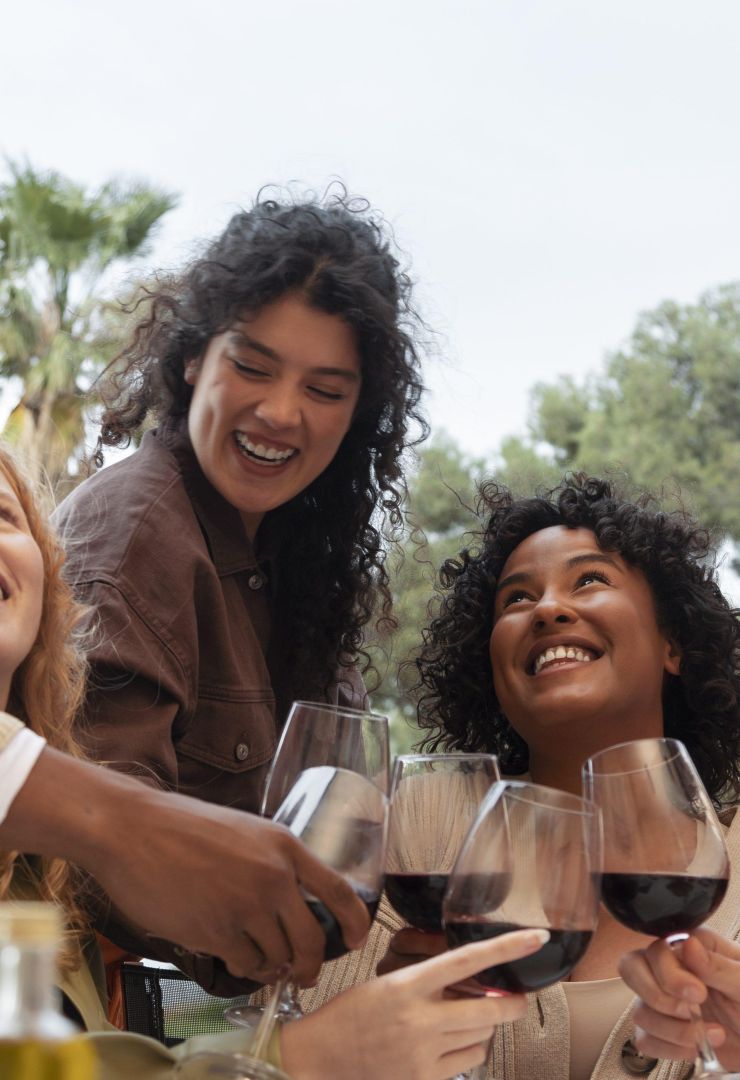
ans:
x=457 y=704
x=337 y=255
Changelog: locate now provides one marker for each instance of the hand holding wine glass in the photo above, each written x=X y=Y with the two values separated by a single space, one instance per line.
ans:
x=329 y=785
x=666 y=867
x=707 y=973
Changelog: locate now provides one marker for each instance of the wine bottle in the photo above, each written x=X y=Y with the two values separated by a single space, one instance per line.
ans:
x=36 y=1040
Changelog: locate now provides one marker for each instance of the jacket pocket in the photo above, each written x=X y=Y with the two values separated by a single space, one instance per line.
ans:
x=231 y=731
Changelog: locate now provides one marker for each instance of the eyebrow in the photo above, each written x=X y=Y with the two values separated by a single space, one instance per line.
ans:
x=576 y=560
x=238 y=337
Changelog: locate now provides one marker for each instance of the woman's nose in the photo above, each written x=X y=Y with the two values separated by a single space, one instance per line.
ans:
x=279 y=407
x=552 y=609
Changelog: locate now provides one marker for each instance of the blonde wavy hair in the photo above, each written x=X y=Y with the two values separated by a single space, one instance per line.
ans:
x=46 y=693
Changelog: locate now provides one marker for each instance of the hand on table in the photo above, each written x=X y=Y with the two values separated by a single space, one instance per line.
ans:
x=406 y=1026
x=704 y=971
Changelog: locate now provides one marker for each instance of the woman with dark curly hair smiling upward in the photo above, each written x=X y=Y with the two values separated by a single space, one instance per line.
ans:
x=232 y=562
x=581 y=619
x=463 y=707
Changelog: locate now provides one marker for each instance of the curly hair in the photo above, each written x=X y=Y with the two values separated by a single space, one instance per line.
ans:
x=336 y=255
x=46 y=693
x=457 y=702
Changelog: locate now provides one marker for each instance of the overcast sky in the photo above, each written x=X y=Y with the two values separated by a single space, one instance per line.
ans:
x=551 y=168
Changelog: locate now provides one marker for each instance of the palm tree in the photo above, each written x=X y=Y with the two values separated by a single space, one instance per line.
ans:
x=56 y=242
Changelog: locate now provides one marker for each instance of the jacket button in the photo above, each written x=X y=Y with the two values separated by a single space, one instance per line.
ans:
x=255 y=581
x=635 y=1062
x=241 y=751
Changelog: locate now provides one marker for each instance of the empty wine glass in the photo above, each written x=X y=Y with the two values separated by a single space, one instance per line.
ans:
x=329 y=785
x=434 y=799
x=531 y=860
x=318 y=734
x=666 y=867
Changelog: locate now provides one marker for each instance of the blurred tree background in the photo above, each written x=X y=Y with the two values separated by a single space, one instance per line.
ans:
x=57 y=332
x=664 y=414
x=663 y=411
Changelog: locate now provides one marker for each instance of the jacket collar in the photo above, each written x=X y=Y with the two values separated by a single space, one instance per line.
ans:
x=228 y=543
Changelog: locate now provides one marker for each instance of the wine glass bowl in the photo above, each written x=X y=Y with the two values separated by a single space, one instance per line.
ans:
x=434 y=799
x=666 y=867
x=342 y=817
x=532 y=859
x=317 y=734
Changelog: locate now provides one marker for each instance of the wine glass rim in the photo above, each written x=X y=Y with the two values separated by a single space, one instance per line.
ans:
x=580 y=804
x=446 y=757
x=677 y=750
x=341 y=710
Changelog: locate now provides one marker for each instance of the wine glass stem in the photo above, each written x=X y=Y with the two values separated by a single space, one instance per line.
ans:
x=290 y=1006
x=709 y=1061
x=261 y=1038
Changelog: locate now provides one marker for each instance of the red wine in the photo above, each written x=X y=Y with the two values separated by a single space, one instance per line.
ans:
x=335 y=946
x=661 y=904
x=418 y=898
x=554 y=960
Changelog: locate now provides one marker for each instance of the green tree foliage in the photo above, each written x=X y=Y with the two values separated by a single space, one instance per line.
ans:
x=440 y=510
x=665 y=411
x=57 y=240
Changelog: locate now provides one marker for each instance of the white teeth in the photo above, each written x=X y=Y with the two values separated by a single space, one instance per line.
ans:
x=261 y=452
x=561 y=652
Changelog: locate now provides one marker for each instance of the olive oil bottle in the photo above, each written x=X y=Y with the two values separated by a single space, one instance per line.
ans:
x=36 y=1041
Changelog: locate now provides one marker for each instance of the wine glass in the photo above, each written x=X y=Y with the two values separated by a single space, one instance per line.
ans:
x=328 y=784
x=532 y=859
x=434 y=799
x=319 y=734
x=666 y=867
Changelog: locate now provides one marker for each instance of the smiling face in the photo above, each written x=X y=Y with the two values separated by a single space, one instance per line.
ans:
x=273 y=398
x=577 y=656
x=21 y=586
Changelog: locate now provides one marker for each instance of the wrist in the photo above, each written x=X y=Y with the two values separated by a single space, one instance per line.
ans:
x=89 y=829
x=322 y=1044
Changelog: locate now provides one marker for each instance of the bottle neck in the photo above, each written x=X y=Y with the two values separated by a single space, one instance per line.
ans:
x=29 y=1000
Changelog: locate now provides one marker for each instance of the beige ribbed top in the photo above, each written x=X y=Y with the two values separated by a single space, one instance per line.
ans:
x=594 y=1008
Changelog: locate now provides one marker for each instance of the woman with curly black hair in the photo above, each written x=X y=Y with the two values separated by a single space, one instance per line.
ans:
x=583 y=619
x=459 y=704
x=231 y=563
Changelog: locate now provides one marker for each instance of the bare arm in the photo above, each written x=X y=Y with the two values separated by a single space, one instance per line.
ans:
x=212 y=879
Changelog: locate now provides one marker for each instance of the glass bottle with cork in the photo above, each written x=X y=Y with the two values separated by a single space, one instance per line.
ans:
x=36 y=1039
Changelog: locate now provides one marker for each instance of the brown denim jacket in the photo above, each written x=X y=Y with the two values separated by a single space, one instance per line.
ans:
x=179 y=621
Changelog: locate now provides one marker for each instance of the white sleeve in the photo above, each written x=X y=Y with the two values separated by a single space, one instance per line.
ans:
x=17 y=759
